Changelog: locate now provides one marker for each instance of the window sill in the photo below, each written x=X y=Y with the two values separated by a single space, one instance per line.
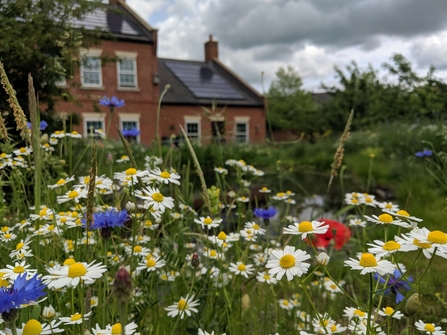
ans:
x=128 y=89
x=99 y=88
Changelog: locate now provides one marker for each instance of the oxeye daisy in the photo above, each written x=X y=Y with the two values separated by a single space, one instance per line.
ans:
x=151 y=264
x=154 y=199
x=386 y=219
x=381 y=249
x=289 y=262
x=306 y=227
x=61 y=182
x=123 y=159
x=429 y=328
x=13 y=271
x=436 y=238
x=352 y=313
x=257 y=230
x=427 y=248
x=357 y=223
x=76 y=318
x=130 y=176
x=368 y=263
x=221 y=170
x=76 y=194
x=117 y=329
x=242 y=269
x=71 y=275
x=265 y=277
x=208 y=222
x=390 y=312
x=164 y=177
x=183 y=306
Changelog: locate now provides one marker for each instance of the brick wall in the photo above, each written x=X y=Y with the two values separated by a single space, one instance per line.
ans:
x=172 y=116
x=143 y=101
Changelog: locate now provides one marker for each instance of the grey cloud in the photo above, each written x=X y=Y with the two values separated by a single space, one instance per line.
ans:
x=427 y=53
x=329 y=23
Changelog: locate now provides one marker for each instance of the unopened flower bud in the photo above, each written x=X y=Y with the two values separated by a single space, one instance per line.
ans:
x=130 y=206
x=109 y=160
x=122 y=286
x=245 y=301
x=323 y=258
x=48 y=312
x=413 y=304
x=195 y=260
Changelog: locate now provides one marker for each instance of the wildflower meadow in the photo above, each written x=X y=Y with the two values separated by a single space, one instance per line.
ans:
x=131 y=246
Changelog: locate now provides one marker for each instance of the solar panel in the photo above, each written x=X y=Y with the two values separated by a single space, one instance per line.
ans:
x=111 y=21
x=203 y=82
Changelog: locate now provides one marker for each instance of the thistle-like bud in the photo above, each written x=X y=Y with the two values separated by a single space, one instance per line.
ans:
x=195 y=260
x=413 y=304
x=122 y=286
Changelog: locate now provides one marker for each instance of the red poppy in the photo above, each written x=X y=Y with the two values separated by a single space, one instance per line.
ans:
x=342 y=235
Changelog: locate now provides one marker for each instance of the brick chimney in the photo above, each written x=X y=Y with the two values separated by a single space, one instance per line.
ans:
x=211 y=50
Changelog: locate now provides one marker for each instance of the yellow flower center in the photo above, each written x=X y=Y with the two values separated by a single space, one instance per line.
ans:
x=131 y=172
x=403 y=213
x=74 y=132
x=61 y=182
x=385 y=218
x=305 y=227
x=333 y=286
x=391 y=245
x=117 y=329
x=4 y=229
x=222 y=236
x=137 y=248
x=285 y=302
x=429 y=327
x=76 y=317
x=208 y=220
x=32 y=327
x=334 y=328
x=86 y=180
x=19 y=245
x=148 y=223
x=358 y=312
x=255 y=226
x=158 y=197
x=213 y=253
x=264 y=188
x=421 y=245
x=165 y=174
x=151 y=263
x=389 y=310
x=3 y=155
x=51 y=227
x=182 y=305
x=267 y=276
x=368 y=199
x=368 y=260
x=19 y=269
x=389 y=206
x=76 y=270
x=241 y=267
x=22 y=150
x=437 y=236
x=354 y=200
x=73 y=194
x=287 y=261
x=7 y=236
x=69 y=261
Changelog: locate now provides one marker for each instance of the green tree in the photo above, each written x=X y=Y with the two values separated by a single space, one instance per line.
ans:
x=289 y=106
x=41 y=37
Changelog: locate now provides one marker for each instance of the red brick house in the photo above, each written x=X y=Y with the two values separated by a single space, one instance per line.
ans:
x=139 y=78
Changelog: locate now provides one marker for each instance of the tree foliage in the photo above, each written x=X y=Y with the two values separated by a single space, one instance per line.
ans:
x=40 y=37
x=289 y=106
x=400 y=95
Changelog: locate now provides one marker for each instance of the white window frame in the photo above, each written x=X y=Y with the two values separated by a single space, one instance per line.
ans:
x=122 y=55
x=91 y=53
x=93 y=117
x=242 y=120
x=131 y=117
x=194 y=120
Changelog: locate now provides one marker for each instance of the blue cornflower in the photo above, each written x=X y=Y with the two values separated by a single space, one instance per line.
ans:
x=134 y=132
x=43 y=125
x=112 y=103
x=109 y=219
x=394 y=284
x=424 y=153
x=265 y=214
x=21 y=292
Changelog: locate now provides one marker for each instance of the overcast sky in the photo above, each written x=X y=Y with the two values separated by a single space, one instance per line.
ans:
x=313 y=35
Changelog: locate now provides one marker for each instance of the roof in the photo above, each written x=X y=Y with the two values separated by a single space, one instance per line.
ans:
x=204 y=83
x=120 y=20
